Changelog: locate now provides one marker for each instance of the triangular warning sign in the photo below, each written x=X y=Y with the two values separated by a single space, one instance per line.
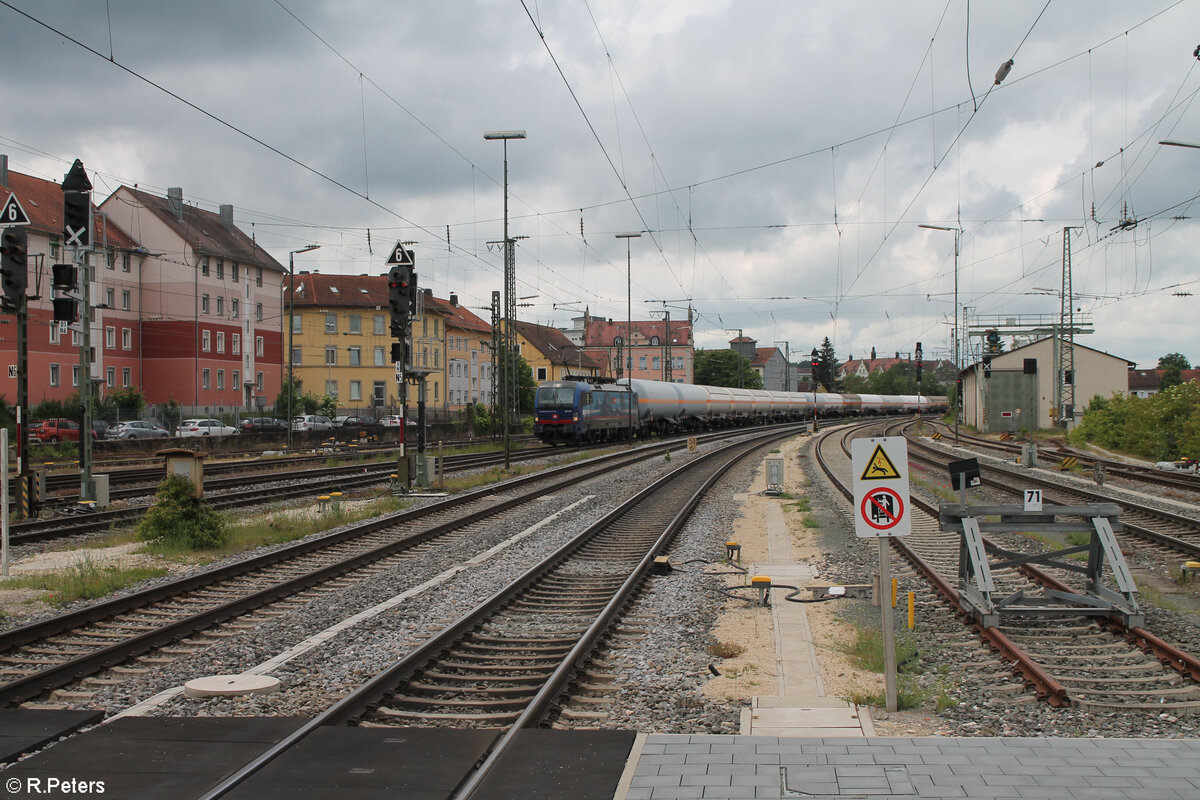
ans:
x=880 y=467
x=13 y=213
x=400 y=256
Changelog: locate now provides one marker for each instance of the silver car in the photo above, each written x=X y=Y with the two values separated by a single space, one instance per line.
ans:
x=138 y=429
x=312 y=422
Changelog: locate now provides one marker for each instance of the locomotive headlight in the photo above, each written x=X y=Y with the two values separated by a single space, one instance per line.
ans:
x=574 y=418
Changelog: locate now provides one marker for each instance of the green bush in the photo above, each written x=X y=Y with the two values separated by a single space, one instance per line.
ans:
x=181 y=520
x=1163 y=427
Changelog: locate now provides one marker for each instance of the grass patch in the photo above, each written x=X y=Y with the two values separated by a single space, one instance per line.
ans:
x=725 y=649
x=273 y=528
x=866 y=651
x=810 y=522
x=803 y=504
x=84 y=580
x=907 y=698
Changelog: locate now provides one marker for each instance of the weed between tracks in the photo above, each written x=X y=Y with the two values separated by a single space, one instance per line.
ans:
x=84 y=580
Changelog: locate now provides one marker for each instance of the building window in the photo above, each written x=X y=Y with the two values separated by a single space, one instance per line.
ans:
x=297 y=324
x=220 y=269
x=54 y=374
x=126 y=377
x=55 y=334
x=235 y=308
x=355 y=356
x=379 y=362
x=258 y=312
x=258 y=381
x=74 y=374
x=355 y=323
x=235 y=345
x=109 y=297
x=110 y=339
x=331 y=389
x=377 y=328
x=126 y=338
x=656 y=363
x=204 y=377
x=541 y=373
x=258 y=345
x=220 y=380
x=203 y=304
x=236 y=383
x=296 y=360
x=204 y=265
x=125 y=299
x=110 y=260
x=355 y=391
x=220 y=341
x=125 y=262
x=654 y=342
x=331 y=355
x=220 y=306
x=258 y=276
x=641 y=362
x=233 y=272
x=110 y=376
x=206 y=341
x=331 y=323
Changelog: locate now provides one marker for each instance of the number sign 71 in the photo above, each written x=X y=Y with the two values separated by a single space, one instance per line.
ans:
x=1033 y=499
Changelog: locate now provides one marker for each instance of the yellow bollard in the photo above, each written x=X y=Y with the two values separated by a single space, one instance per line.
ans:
x=895 y=585
x=912 y=610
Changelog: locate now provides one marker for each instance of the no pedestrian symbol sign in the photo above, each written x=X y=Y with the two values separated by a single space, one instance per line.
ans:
x=880 y=487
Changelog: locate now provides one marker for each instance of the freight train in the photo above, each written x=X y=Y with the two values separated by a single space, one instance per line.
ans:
x=589 y=410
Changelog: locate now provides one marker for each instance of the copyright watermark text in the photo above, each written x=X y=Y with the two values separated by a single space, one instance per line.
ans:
x=52 y=787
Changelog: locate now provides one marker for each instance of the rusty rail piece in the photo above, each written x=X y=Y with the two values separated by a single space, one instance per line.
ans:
x=1179 y=660
x=1046 y=686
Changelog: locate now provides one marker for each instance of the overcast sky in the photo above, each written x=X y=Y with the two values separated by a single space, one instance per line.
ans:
x=777 y=156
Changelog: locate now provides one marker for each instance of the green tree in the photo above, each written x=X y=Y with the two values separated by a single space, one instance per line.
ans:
x=128 y=401
x=1176 y=360
x=1172 y=376
x=856 y=384
x=826 y=372
x=1163 y=427
x=724 y=368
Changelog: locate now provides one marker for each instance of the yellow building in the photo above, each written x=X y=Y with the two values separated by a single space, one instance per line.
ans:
x=341 y=344
x=467 y=357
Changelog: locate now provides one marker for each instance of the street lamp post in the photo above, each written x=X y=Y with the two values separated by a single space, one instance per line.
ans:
x=507 y=338
x=291 y=389
x=629 y=322
x=957 y=366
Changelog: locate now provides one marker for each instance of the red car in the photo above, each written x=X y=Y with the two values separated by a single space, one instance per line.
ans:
x=53 y=431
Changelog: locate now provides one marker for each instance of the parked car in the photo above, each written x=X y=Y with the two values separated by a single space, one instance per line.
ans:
x=100 y=429
x=391 y=421
x=312 y=422
x=140 y=429
x=53 y=431
x=262 y=425
x=205 y=427
x=358 y=421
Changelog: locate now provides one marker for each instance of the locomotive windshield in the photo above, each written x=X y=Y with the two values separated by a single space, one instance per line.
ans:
x=555 y=396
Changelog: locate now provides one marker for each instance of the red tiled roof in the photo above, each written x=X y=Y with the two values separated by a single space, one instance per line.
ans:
x=458 y=316
x=43 y=202
x=203 y=230
x=555 y=346
x=359 y=291
x=602 y=333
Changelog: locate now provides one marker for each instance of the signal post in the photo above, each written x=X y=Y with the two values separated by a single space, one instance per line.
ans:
x=14 y=277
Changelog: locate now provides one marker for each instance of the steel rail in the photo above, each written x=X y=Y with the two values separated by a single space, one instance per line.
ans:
x=383 y=683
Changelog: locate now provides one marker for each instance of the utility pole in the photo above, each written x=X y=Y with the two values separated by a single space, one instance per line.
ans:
x=77 y=234
x=1065 y=376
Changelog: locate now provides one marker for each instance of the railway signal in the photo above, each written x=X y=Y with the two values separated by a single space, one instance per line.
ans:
x=400 y=284
x=14 y=270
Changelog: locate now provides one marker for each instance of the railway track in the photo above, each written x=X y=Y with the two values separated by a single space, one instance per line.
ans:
x=1171 y=534
x=1084 y=660
x=247 y=490
x=1138 y=476
x=41 y=657
x=505 y=663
